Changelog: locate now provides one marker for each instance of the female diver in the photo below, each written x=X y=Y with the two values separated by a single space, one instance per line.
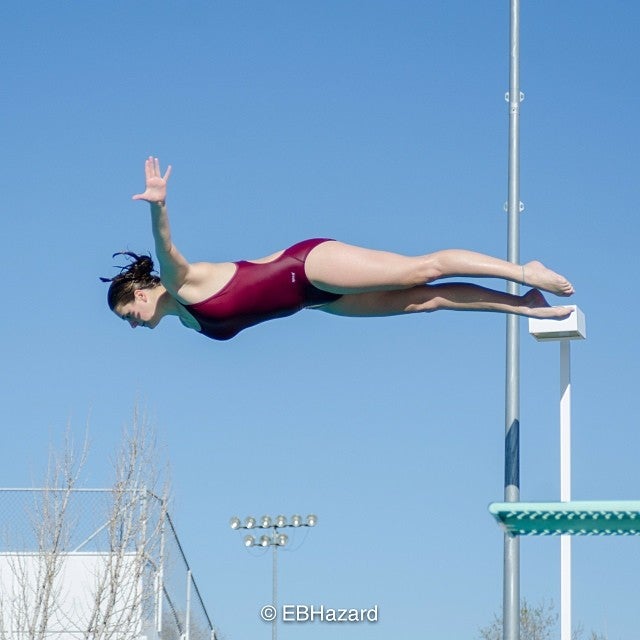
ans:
x=220 y=299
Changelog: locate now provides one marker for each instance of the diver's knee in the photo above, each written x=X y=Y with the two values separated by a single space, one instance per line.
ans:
x=425 y=306
x=432 y=267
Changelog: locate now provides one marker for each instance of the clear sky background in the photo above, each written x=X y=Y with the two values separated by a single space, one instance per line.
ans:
x=380 y=123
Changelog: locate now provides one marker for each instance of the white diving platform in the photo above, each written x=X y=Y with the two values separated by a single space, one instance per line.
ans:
x=571 y=328
x=576 y=518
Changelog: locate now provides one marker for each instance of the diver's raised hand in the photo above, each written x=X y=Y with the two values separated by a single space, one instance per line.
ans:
x=156 y=183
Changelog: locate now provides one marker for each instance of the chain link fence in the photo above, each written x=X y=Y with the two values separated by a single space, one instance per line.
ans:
x=46 y=534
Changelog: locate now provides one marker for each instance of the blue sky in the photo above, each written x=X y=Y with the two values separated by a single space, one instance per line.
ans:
x=380 y=123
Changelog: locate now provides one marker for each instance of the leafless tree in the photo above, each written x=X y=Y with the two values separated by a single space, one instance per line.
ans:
x=119 y=585
x=536 y=623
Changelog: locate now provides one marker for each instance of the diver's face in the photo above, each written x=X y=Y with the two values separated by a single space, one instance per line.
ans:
x=141 y=311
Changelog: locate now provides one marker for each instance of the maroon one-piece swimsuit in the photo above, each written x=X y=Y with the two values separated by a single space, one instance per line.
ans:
x=259 y=292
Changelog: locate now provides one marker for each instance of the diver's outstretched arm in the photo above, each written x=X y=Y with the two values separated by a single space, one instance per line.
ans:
x=173 y=266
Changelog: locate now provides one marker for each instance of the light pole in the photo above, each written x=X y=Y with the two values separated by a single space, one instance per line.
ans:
x=273 y=539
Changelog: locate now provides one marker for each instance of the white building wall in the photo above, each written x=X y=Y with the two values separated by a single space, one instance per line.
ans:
x=78 y=580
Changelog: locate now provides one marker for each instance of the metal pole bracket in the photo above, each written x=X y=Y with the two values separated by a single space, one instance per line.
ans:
x=520 y=207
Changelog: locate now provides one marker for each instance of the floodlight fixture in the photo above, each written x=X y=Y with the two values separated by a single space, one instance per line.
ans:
x=265 y=541
x=249 y=541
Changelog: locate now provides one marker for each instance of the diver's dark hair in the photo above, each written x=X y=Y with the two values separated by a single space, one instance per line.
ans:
x=138 y=274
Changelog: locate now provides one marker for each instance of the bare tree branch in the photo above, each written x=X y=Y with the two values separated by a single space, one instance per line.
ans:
x=122 y=586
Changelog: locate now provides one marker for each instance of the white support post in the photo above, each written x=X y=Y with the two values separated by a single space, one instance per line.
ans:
x=565 y=486
x=160 y=572
x=563 y=331
x=187 y=625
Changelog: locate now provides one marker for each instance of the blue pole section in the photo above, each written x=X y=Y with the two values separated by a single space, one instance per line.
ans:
x=511 y=587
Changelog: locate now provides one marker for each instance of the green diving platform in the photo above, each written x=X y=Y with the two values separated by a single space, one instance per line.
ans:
x=575 y=518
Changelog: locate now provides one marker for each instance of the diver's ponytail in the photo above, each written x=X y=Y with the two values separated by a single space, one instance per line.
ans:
x=138 y=274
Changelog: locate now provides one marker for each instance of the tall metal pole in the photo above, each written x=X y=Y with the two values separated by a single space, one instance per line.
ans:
x=275 y=540
x=274 y=624
x=511 y=587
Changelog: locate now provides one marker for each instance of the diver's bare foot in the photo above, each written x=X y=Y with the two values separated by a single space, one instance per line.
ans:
x=536 y=306
x=535 y=274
